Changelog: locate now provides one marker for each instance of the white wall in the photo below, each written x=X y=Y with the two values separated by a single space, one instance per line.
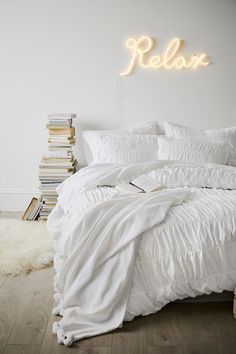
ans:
x=66 y=55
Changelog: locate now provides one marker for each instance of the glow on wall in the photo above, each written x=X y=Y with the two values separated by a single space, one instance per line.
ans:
x=171 y=58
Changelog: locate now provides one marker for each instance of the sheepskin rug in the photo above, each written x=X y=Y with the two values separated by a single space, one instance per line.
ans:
x=24 y=246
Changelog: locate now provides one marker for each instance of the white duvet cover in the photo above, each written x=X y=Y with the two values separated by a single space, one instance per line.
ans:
x=119 y=256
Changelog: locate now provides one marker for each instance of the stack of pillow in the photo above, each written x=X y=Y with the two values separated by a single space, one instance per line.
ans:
x=154 y=141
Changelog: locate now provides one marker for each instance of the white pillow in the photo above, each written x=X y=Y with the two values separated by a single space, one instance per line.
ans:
x=122 y=148
x=150 y=128
x=179 y=131
x=218 y=135
x=194 y=150
x=90 y=139
x=173 y=130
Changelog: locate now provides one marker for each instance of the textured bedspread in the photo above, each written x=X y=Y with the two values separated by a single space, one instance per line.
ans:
x=121 y=256
x=192 y=252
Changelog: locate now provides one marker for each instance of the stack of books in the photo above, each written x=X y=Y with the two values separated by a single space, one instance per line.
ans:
x=59 y=162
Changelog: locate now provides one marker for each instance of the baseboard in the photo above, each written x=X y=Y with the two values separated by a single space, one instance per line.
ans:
x=16 y=199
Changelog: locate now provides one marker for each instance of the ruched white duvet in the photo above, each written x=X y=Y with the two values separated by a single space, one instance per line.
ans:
x=119 y=256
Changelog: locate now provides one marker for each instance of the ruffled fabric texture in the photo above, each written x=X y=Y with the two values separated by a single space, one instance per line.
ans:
x=173 y=130
x=126 y=149
x=191 y=175
x=194 y=149
x=191 y=253
x=169 y=173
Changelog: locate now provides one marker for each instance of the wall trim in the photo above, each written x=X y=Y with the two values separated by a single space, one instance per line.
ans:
x=18 y=190
x=16 y=199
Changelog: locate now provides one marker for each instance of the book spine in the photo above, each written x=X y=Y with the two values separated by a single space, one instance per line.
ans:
x=234 y=307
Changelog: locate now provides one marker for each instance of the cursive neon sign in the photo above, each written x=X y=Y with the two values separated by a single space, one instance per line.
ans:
x=171 y=59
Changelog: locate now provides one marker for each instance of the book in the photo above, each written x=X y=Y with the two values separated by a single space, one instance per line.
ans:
x=61 y=160
x=60 y=137
x=62 y=131
x=128 y=188
x=55 y=175
x=29 y=208
x=63 y=124
x=55 y=170
x=59 y=126
x=65 y=149
x=59 y=179
x=33 y=209
x=45 y=185
x=57 y=164
x=57 y=154
x=64 y=141
x=59 y=145
x=43 y=218
x=50 y=199
x=61 y=115
x=49 y=202
x=47 y=207
x=234 y=307
x=141 y=184
x=35 y=212
x=59 y=120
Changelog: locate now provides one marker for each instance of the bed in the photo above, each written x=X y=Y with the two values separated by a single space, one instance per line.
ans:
x=119 y=256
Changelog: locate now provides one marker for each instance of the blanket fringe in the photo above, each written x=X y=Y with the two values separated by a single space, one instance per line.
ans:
x=61 y=337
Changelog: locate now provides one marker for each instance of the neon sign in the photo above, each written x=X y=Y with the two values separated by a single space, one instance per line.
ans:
x=171 y=59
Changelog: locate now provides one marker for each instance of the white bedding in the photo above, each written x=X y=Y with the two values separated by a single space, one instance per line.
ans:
x=120 y=148
x=121 y=256
x=194 y=150
x=228 y=135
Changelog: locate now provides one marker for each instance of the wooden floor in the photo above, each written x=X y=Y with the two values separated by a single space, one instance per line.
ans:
x=189 y=328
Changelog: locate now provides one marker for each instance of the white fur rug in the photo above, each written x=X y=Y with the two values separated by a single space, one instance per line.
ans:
x=24 y=246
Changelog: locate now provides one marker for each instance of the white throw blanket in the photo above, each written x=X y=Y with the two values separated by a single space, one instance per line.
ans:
x=97 y=232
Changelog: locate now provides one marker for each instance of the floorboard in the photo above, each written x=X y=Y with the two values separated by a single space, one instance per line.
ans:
x=164 y=350
x=8 y=309
x=162 y=329
x=22 y=349
x=131 y=338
